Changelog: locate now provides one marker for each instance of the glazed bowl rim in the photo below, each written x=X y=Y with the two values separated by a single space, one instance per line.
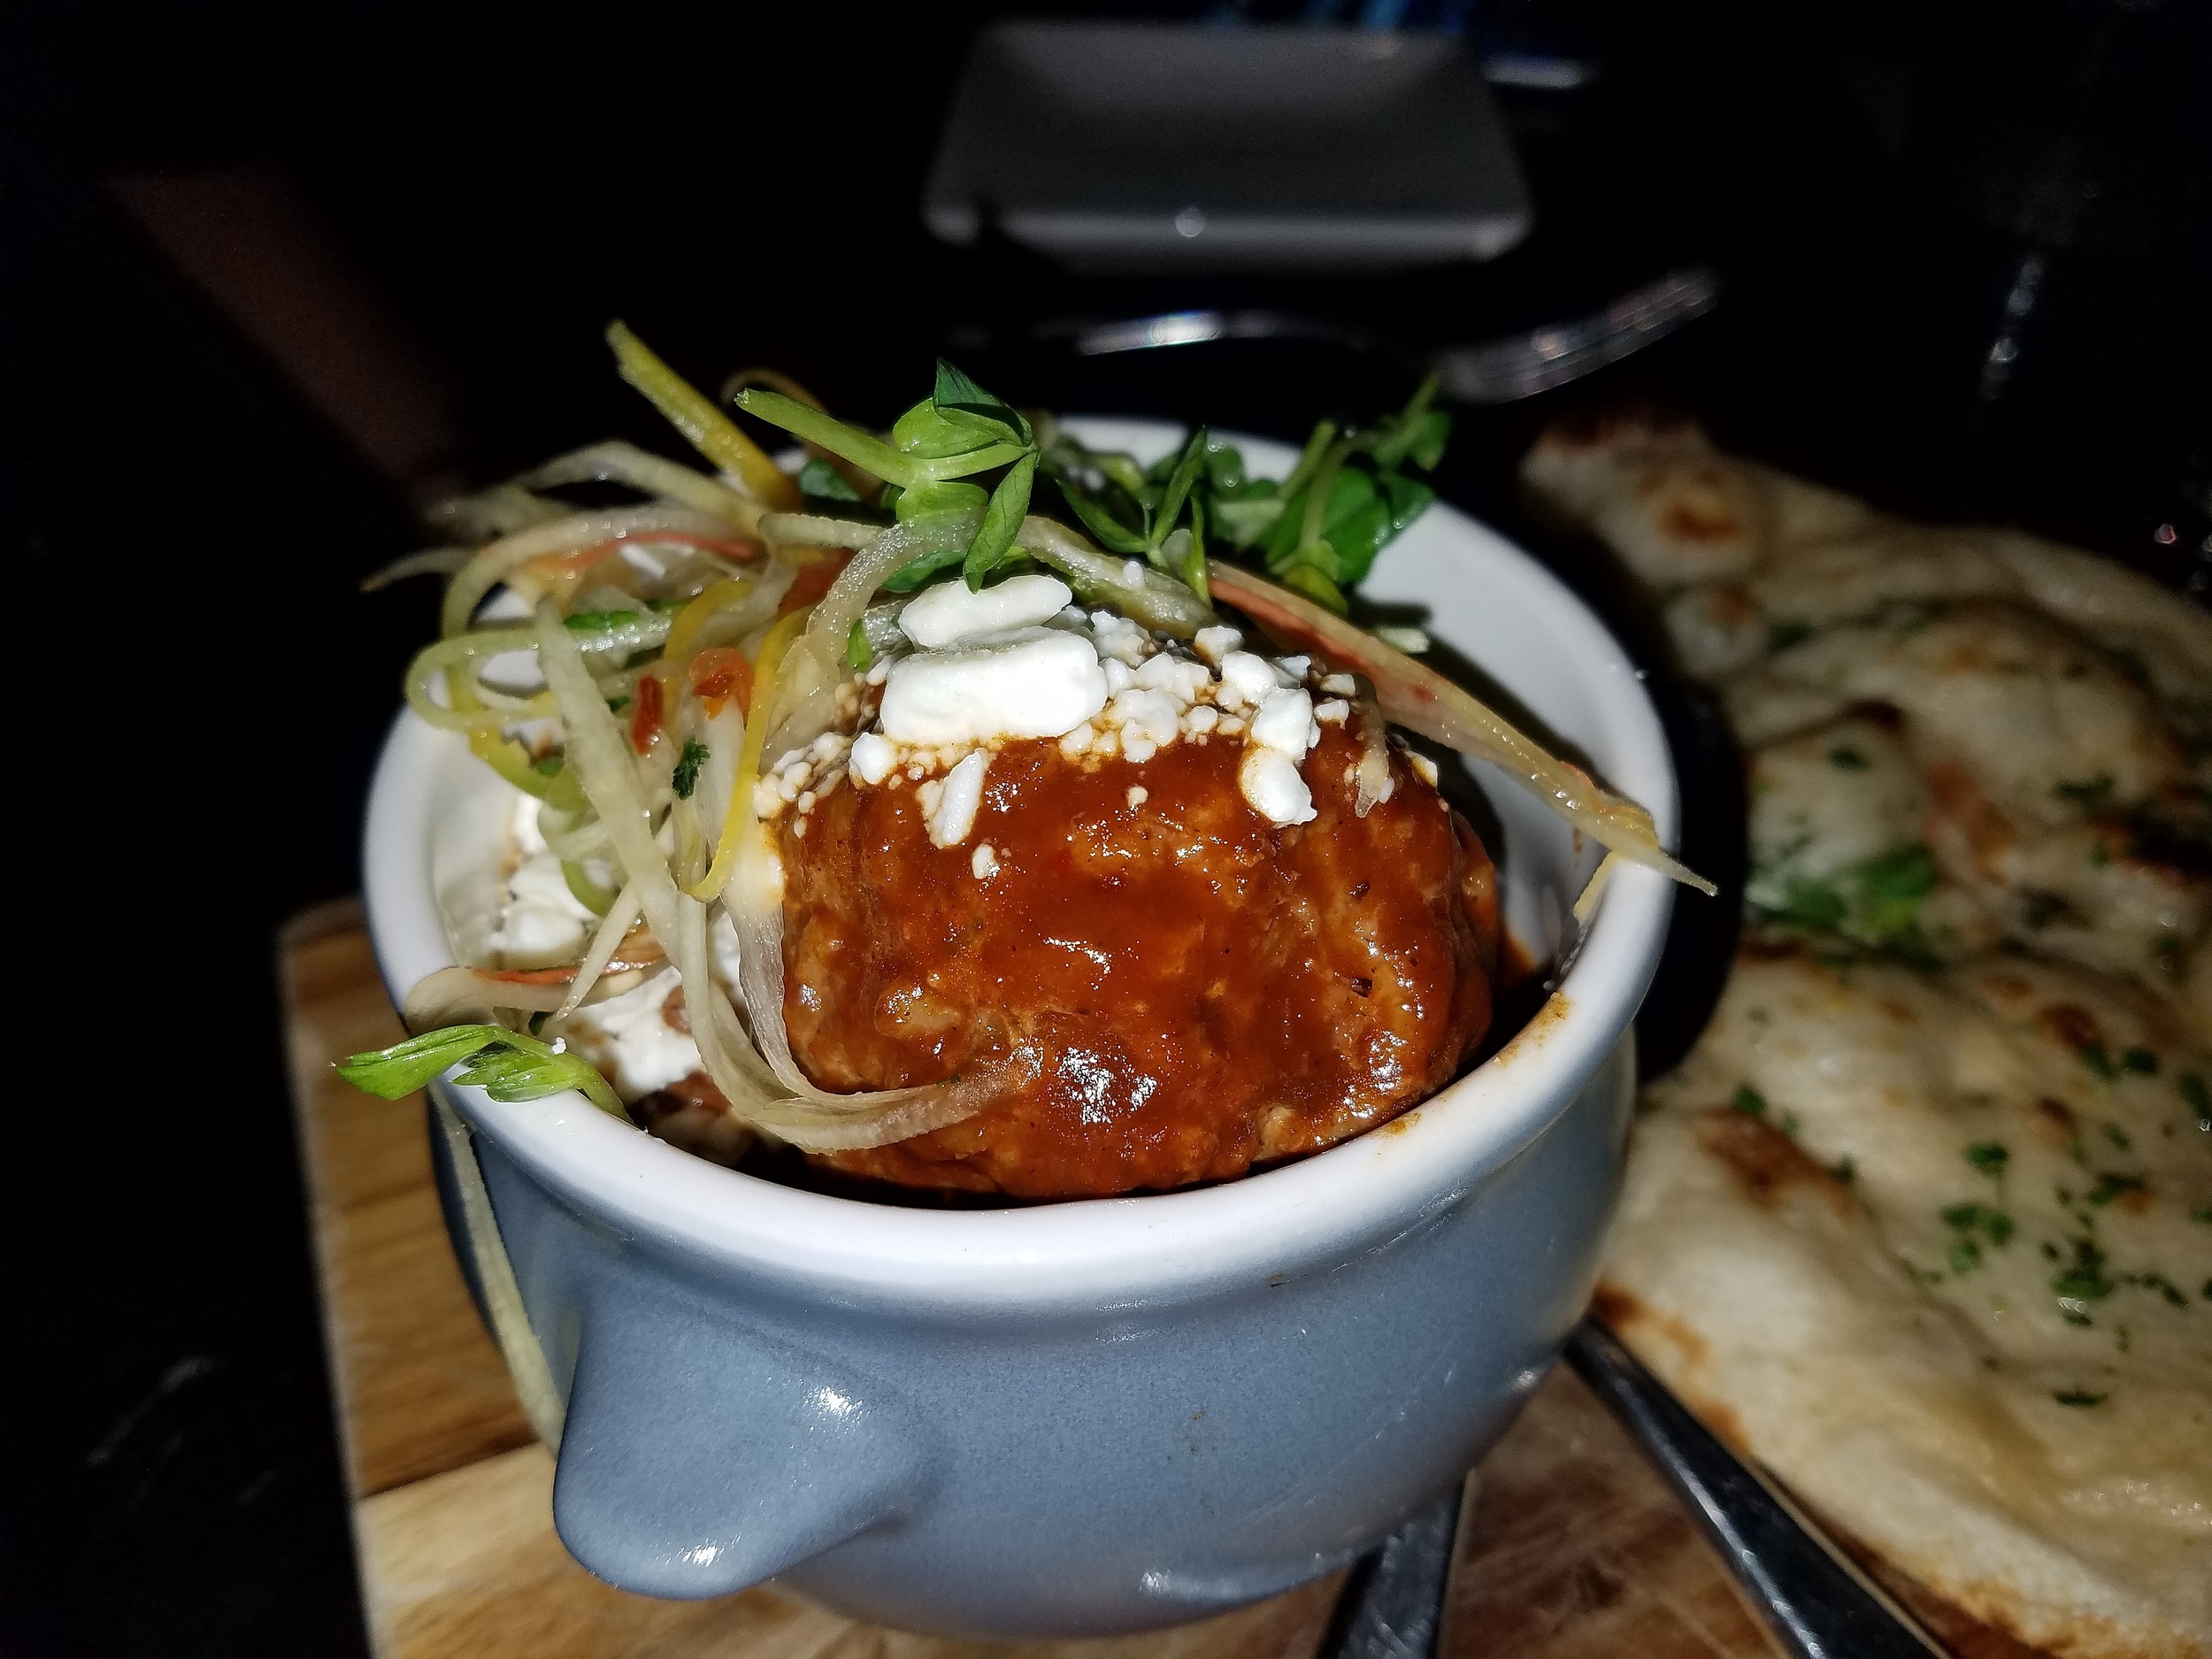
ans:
x=1092 y=1253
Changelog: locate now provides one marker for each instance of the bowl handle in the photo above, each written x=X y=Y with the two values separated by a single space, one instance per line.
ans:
x=702 y=1455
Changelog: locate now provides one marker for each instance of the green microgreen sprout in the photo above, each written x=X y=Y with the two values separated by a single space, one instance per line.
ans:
x=507 y=1066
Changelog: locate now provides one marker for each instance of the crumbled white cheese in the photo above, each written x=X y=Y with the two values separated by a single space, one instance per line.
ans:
x=1270 y=782
x=1412 y=642
x=952 y=815
x=985 y=864
x=1285 y=723
x=1245 y=680
x=1119 y=637
x=1200 y=719
x=1333 y=712
x=1137 y=795
x=1422 y=765
x=1132 y=573
x=544 y=923
x=949 y=612
x=1282 y=732
x=1340 y=686
x=1213 y=644
x=1296 y=667
x=1119 y=676
x=629 y=1039
x=1152 y=714
x=1036 y=682
x=873 y=757
x=1178 y=676
x=532 y=934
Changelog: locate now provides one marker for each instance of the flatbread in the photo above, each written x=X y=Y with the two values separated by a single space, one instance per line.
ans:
x=1900 y=1241
x=1925 y=1222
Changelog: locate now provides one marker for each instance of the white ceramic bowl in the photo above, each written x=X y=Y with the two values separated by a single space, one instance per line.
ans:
x=1086 y=1417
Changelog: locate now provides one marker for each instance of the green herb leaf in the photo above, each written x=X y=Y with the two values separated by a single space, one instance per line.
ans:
x=1891 y=888
x=1843 y=757
x=1811 y=904
x=1994 y=1224
x=1351 y=493
x=928 y=500
x=2110 y=1186
x=1243 y=522
x=1224 y=470
x=399 y=1071
x=1001 y=521
x=961 y=399
x=1409 y=430
x=824 y=482
x=2199 y=1098
x=1406 y=498
x=2168 y=1291
x=1309 y=458
x=1110 y=533
x=1989 y=1156
x=912 y=575
x=2091 y=794
x=1193 y=571
x=2140 y=1061
x=506 y=1064
x=2086 y=1279
x=688 y=764
x=1179 y=486
x=1308 y=580
x=1430 y=433
x=865 y=450
x=931 y=434
x=2078 y=1397
x=1749 y=1102
x=1782 y=635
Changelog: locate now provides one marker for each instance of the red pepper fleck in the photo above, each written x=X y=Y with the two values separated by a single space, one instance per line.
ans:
x=645 y=722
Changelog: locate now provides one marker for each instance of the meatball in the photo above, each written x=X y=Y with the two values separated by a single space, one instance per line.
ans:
x=1185 y=987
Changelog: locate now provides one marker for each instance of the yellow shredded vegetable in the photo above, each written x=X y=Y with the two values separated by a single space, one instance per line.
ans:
x=731 y=839
x=695 y=615
x=711 y=431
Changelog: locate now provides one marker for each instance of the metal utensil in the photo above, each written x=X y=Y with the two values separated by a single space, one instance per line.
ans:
x=1813 y=1597
x=1815 y=1600
x=1392 y=1606
x=1499 y=370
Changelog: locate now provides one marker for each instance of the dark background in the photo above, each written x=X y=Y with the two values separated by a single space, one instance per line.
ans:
x=272 y=278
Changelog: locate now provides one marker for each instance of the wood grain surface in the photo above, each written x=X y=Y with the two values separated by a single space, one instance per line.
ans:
x=1573 y=1548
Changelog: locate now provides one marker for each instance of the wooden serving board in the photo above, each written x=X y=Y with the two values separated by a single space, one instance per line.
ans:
x=1573 y=1548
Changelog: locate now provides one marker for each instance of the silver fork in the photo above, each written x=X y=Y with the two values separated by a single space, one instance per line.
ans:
x=1498 y=371
x=1813 y=1598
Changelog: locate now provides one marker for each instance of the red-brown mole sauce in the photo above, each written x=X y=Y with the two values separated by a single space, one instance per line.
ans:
x=1183 y=986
